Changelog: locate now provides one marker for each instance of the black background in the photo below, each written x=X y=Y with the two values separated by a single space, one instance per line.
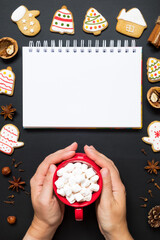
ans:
x=122 y=146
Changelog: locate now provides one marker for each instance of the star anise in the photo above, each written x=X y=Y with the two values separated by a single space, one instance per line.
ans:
x=16 y=184
x=8 y=111
x=152 y=166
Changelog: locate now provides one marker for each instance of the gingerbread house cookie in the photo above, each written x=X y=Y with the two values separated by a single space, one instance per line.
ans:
x=131 y=22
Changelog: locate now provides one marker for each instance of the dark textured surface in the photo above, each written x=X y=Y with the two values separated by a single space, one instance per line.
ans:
x=122 y=146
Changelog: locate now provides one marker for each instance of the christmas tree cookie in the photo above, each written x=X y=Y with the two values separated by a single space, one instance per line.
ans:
x=153 y=67
x=94 y=22
x=62 y=21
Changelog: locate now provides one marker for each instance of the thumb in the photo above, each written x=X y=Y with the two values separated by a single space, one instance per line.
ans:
x=107 y=194
x=47 y=189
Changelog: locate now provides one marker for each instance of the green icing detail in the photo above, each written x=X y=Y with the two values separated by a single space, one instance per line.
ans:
x=56 y=23
x=59 y=14
x=93 y=19
x=67 y=25
x=62 y=24
x=153 y=64
x=154 y=78
x=64 y=15
x=156 y=69
x=95 y=23
x=68 y=16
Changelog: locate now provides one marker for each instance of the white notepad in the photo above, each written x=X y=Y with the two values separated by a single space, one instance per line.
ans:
x=82 y=87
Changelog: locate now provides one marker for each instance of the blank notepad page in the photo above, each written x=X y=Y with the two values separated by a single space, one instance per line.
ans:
x=89 y=89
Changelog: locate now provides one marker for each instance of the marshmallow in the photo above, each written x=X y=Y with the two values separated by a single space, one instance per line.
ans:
x=67 y=190
x=90 y=173
x=79 y=178
x=88 y=197
x=61 y=192
x=85 y=192
x=77 y=171
x=69 y=167
x=94 y=187
x=71 y=199
x=94 y=179
x=72 y=181
x=59 y=183
x=84 y=167
x=78 y=165
x=60 y=172
x=76 y=188
x=79 y=197
x=85 y=183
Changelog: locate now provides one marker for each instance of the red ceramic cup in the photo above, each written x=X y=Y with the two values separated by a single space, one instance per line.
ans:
x=79 y=157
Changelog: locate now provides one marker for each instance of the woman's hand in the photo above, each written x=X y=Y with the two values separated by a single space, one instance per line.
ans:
x=111 y=207
x=48 y=211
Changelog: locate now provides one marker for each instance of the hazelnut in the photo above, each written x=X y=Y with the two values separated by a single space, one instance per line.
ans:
x=11 y=219
x=6 y=171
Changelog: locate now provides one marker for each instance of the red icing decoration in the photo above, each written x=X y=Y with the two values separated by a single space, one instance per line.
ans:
x=157 y=134
x=155 y=74
x=99 y=26
x=90 y=27
x=94 y=14
x=155 y=66
x=93 y=21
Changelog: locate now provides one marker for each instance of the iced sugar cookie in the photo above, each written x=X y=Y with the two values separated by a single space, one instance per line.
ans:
x=62 y=21
x=153 y=69
x=94 y=22
x=26 y=21
x=154 y=136
x=9 y=135
x=131 y=23
x=7 y=81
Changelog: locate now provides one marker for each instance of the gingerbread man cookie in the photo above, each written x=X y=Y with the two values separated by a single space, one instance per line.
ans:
x=154 y=136
x=94 y=22
x=153 y=67
x=26 y=21
x=9 y=135
x=7 y=81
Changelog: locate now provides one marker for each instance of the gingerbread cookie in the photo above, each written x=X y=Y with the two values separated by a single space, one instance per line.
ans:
x=26 y=21
x=131 y=23
x=62 y=21
x=7 y=81
x=9 y=135
x=94 y=22
x=153 y=69
x=154 y=136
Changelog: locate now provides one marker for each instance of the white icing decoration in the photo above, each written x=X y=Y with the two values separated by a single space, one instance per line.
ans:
x=154 y=135
x=9 y=85
x=25 y=28
x=64 y=28
x=9 y=139
x=31 y=23
x=87 y=26
x=133 y=15
x=24 y=20
x=18 y=13
x=31 y=30
x=30 y=14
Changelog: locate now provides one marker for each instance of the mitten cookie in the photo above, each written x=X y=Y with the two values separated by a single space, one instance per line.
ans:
x=153 y=67
x=9 y=139
x=62 y=21
x=26 y=21
x=94 y=22
x=7 y=81
x=154 y=136
x=131 y=23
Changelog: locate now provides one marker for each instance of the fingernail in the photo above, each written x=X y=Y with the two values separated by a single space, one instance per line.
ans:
x=104 y=172
x=92 y=147
x=52 y=168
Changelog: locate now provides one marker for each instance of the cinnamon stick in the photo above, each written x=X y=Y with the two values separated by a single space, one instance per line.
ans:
x=154 y=37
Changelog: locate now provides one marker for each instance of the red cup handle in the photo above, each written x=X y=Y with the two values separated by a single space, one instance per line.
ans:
x=78 y=214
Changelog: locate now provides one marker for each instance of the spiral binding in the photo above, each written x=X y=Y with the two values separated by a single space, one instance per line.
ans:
x=90 y=47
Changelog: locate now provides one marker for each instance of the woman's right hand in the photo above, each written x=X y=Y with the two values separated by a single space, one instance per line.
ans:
x=111 y=207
